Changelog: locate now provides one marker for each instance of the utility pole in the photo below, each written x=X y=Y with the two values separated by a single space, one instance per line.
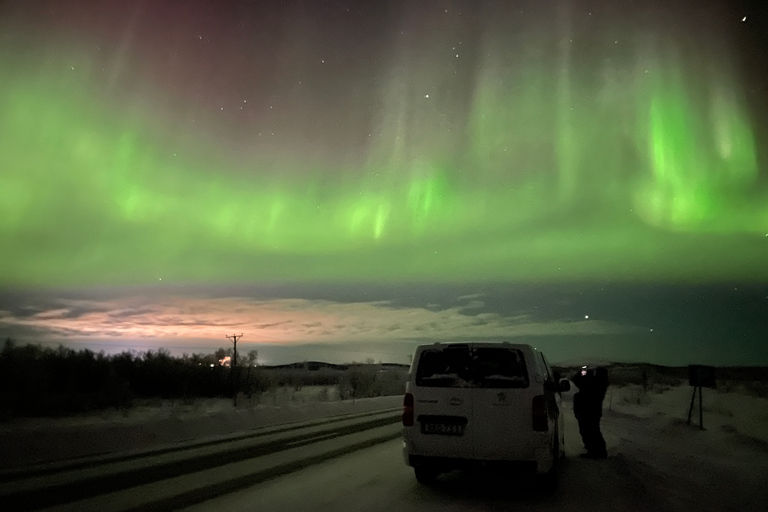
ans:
x=234 y=339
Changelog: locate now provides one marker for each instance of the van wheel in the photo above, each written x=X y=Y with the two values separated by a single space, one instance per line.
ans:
x=426 y=475
x=548 y=481
x=557 y=453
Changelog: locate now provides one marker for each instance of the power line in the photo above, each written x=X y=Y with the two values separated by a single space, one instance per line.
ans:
x=234 y=339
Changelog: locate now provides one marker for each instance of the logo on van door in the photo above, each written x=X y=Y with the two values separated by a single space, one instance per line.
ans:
x=501 y=400
x=456 y=401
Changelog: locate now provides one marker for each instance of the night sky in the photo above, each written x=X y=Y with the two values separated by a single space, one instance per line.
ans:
x=342 y=180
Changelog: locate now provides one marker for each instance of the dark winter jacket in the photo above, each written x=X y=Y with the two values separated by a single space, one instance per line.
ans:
x=592 y=388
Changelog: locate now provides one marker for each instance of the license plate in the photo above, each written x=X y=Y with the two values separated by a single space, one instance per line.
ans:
x=442 y=429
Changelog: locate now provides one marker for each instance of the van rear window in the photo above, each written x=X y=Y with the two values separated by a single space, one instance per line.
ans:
x=499 y=368
x=447 y=368
x=463 y=366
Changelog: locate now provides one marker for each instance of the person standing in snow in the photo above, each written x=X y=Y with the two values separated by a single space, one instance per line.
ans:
x=588 y=409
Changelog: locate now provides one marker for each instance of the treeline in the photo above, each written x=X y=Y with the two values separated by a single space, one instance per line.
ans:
x=45 y=381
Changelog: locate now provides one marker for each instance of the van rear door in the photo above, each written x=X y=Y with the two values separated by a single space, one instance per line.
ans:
x=443 y=402
x=502 y=400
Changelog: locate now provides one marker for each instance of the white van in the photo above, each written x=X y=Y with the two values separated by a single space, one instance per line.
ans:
x=486 y=403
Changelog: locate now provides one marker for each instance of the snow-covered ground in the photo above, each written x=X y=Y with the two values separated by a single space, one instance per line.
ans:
x=722 y=467
x=653 y=453
x=724 y=413
x=37 y=440
x=656 y=463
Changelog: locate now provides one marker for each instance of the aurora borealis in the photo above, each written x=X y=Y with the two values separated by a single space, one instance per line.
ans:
x=152 y=148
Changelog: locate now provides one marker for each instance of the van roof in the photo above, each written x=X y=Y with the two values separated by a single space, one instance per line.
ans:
x=439 y=344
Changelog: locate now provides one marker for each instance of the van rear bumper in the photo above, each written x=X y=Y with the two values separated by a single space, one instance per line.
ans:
x=445 y=464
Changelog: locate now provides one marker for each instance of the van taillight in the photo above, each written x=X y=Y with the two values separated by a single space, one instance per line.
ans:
x=540 y=417
x=408 y=410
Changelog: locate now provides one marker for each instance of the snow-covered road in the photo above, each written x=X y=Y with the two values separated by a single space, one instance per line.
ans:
x=351 y=462
x=657 y=463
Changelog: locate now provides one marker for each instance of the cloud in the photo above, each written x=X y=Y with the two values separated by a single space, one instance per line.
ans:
x=474 y=304
x=176 y=320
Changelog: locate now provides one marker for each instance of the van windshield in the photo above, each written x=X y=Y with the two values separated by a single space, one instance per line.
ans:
x=463 y=366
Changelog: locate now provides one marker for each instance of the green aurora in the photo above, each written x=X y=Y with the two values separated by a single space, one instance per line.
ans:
x=628 y=171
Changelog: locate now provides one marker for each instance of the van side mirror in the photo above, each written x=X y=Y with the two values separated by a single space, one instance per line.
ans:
x=565 y=385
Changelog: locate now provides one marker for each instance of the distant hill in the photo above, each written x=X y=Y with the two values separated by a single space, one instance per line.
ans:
x=637 y=373
x=314 y=366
